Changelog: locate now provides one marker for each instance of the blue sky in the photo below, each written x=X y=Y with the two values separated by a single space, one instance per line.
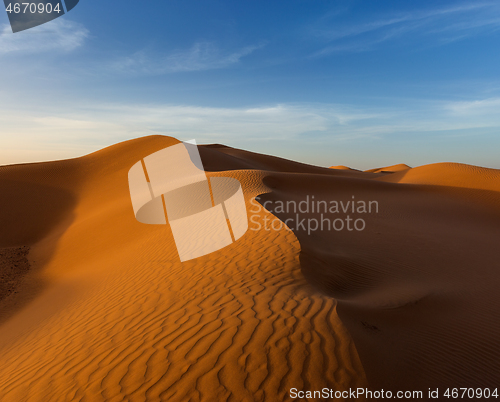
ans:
x=359 y=83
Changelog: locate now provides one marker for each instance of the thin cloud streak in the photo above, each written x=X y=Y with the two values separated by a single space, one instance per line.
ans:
x=475 y=108
x=201 y=56
x=62 y=133
x=105 y=124
x=448 y=24
x=58 y=132
x=61 y=35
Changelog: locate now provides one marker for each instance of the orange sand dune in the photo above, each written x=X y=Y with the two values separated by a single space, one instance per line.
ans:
x=450 y=174
x=418 y=288
x=342 y=167
x=108 y=312
x=390 y=169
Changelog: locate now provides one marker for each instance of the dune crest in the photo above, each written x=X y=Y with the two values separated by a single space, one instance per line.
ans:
x=117 y=316
x=390 y=169
x=417 y=288
x=108 y=312
x=342 y=167
x=450 y=174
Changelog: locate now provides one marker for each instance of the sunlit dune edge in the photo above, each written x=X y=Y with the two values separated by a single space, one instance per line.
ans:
x=390 y=169
x=342 y=167
x=108 y=312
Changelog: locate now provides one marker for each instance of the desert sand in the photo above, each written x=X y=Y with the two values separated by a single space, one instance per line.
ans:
x=106 y=311
x=390 y=169
x=418 y=288
x=342 y=167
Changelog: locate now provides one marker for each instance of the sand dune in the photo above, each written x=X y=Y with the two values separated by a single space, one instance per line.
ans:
x=342 y=167
x=390 y=169
x=107 y=311
x=418 y=288
x=451 y=175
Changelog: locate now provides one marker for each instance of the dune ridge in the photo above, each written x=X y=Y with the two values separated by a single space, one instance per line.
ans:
x=342 y=167
x=417 y=289
x=117 y=316
x=450 y=174
x=107 y=312
x=390 y=169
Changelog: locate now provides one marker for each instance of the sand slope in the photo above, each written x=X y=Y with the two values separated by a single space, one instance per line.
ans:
x=342 y=167
x=451 y=175
x=108 y=312
x=390 y=169
x=418 y=288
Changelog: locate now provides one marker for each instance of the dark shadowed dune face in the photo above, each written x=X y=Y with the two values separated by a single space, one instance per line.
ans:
x=28 y=211
x=35 y=207
x=221 y=158
x=14 y=265
x=418 y=287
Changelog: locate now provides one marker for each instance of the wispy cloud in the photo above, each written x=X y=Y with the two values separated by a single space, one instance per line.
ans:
x=61 y=132
x=444 y=24
x=56 y=131
x=475 y=108
x=201 y=56
x=60 y=35
x=268 y=122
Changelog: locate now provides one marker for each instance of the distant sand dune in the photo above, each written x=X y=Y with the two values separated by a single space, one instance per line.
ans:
x=450 y=174
x=116 y=316
x=390 y=169
x=342 y=167
x=418 y=288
